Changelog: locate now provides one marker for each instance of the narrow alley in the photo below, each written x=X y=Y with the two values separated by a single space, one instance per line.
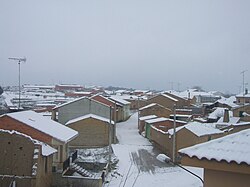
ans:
x=138 y=165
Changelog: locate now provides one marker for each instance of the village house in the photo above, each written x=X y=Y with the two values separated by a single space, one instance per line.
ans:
x=135 y=101
x=227 y=119
x=226 y=160
x=155 y=109
x=94 y=131
x=43 y=129
x=160 y=123
x=183 y=101
x=117 y=110
x=165 y=101
x=187 y=135
x=68 y=87
x=79 y=107
x=186 y=106
x=197 y=97
x=181 y=117
x=216 y=114
x=243 y=112
x=125 y=107
x=78 y=94
x=141 y=124
x=228 y=103
x=243 y=98
x=236 y=127
x=24 y=160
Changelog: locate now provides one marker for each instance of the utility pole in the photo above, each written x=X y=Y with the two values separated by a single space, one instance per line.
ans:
x=19 y=60
x=174 y=136
x=138 y=110
x=110 y=138
x=114 y=127
x=243 y=85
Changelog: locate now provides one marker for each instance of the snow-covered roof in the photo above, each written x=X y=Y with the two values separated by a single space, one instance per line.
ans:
x=147 y=117
x=119 y=100
x=156 y=120
x=232 y=120
x=198 y=129
x=70 y=85
x=81 y=92
x=8 y=99
x=228 y=101
x=46 y=149
x=106 y=98
x=45 y=125
x=194 y=93
x=100 y=95
x=88 y=116
x=231 y=148
x=148 y=106
x=218 y=113
x=241 y=106
x=39 y=86
x=75 y=100
x=169 y=97
x=158 y=130
x=200 y=119
x=241 y=95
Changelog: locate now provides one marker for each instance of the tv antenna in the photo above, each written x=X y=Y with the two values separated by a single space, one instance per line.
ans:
x=19 y=60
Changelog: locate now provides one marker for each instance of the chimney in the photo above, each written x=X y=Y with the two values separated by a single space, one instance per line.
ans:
x=246 y=91
x=226 y=116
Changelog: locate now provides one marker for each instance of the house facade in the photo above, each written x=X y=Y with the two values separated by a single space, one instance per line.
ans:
x=181 y=101
x=79 y=107
x=40 y=128
x=163 y=124
x=29 y=160
x=243 y=112
x=187 y=135
x=242 y=99
x=164 y=100
x=225 y=160
x=155 y=109
x=141 y=124
x=94 y=131
x=125 y=107
x=117 y=110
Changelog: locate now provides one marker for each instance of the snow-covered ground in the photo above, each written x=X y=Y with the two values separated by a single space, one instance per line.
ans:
x=138 y=165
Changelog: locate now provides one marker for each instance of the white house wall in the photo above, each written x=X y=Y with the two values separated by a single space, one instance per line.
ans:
x=80 y=108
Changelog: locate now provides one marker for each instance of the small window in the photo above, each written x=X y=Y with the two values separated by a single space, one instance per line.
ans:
x=241 y=114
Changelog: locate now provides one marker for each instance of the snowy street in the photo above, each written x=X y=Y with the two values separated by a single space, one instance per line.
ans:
x=138 y=165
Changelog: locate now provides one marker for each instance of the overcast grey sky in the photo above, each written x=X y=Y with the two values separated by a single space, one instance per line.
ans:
x=132 y=43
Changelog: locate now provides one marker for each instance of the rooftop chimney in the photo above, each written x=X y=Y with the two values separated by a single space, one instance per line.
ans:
x=226 y=116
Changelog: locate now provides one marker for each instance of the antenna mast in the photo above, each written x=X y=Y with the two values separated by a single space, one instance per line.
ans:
x=19 y=60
